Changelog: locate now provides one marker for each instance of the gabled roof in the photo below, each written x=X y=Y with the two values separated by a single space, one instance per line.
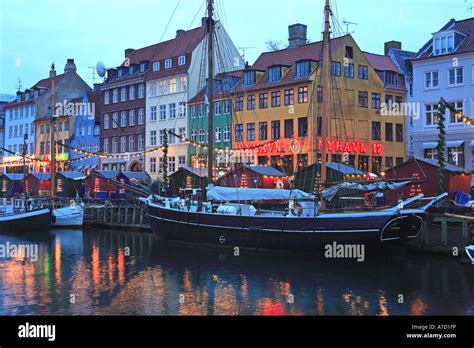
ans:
x=266 y=170
x=13 y=176
x=465 y=26
x=108 y=174
x=41 y=176
x=403 y=60
x=46 y=83
x=72 y=175
x=200 y=172
x=449 y=167
x=289 y=57
x=381 y=63
x=343 y=168
x=136 y=175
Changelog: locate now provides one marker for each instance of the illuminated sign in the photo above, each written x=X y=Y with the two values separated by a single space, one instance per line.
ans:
x=332 y=146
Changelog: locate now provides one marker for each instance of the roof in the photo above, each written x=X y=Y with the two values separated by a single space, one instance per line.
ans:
x=289 y=57
x=465 y=26
x=266 y=170
x=108 y=174
x=72 y=175
x=223 y=87
x=433 y=162
x=403 y=60
x=381 y=62
x=41 y=176
x=14 y=176
x=136 y=175
x=343 y=168
x=200 y=172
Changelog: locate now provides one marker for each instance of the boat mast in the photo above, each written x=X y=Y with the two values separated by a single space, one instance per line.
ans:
x=210 y=94
x=326 y=92
x=25 y=173
x=52 y=75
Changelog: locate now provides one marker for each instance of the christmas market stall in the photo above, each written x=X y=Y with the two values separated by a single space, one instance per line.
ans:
x=265 y=177
x=70 y=184
x=11 y=184
x=99 y=184
x=187 y=178
x=137 y=180
x=425 y=180
x=38 y=184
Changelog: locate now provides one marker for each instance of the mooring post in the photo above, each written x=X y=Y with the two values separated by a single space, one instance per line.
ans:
x=444 y=232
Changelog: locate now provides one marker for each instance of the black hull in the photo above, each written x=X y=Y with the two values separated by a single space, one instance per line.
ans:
x=287 y=234
x=31 y=222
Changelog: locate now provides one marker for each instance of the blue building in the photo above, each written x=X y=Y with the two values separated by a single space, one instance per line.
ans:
x=86 y=134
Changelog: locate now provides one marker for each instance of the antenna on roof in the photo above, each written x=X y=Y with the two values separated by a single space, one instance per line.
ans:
x=469 y=7
x=92 y=68
x=347 y=23
x=19 y=84
x=244 y=49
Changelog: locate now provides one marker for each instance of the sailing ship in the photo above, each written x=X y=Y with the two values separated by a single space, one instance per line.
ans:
x=228 y=218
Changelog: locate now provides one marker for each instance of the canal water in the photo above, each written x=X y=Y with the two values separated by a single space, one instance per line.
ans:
x=110 y=272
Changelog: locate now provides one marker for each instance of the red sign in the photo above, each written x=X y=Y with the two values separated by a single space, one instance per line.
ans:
x=332 y=146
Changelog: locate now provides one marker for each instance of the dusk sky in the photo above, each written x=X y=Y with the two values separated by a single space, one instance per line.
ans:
x=36 y=33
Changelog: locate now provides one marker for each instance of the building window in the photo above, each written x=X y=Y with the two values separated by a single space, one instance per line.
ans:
x=106 y=122
x=181 y=60
x=131 y=143
x=376 y=101
x=263 y=100
x=227 y=133
x=456 y=76
x=274 y=74
x=431 y=79
x=201 y=139
x=250 y=131
x=114 y=145
x=389 y=131
x=239 y=132
x=106 y=145
x=141 y=91
x=115 y=96
x=363 y=99
x=389 y=101
x=217 y=108
x=115 y=120
x=182 y=109
x=218 y=134
x=249 y=78
x=443 y=45
x=171 y=136
x=303 y=68
x=376 y=164
x=239 y=103
x=153 y=137
x=456 y=155
x=276 y=99
x=183 y=83
x=152 y=164
x=131 y=118
x=289 y=129
x=431 y=115
x=67 y=125
x=173 y=86
x=303 y=94
x=193 y=135
x=123 y=94
x=182 y=134
x=172 y=110
x=106 y=97
x=458 y=105
x=262 y=131
x=349 y=52
x=123 y=119
x=275 y=130
x=388 y=162
x=376 y=130
x=391 y=78
x=289 y=97
x=141 y=142
x=363 y=72
x=156 y=66
x=162 y=112
x=251 y=102
x=227 y=107
x=131 y=93
x=303 y=127
x=141 y=116
x=123 y=144
x=181 y=161
x=171 y=164
x=142 y=67
x=336 y=68
x=349 y=70
x=399 y=132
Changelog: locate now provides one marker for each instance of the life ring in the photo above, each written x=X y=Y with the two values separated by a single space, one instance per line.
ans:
x=296 y=209
x=72 y=203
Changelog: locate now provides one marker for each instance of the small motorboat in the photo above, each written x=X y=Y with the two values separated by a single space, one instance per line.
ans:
x=71 y=215
x=15 y=218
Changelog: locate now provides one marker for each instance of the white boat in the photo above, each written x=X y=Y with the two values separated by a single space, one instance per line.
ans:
x=68 y=216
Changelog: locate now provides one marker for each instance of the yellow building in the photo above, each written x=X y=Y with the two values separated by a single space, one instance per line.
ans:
x=64 y=125
x=278 y=106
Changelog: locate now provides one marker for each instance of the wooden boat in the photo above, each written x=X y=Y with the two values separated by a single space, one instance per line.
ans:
x=14 y=218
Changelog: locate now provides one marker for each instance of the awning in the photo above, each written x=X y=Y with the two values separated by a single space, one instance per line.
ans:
x=456 y=143
x=353 y=187
x=429 y=145
x=233 y=194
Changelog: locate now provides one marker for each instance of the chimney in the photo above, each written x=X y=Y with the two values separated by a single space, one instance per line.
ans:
x=204 y=22
x=179 y=32
x=128 y=51
x=96 y=88
x=392 y=44
x=297 y=35
x=70 y=66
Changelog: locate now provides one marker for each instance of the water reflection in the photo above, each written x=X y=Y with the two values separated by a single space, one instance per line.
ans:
x=122 y=273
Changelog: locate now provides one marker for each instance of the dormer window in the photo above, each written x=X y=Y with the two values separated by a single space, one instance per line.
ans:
x=156 y=66
x=120 y=73
x=303 y=68
x=18 y=98
x=443 y=44
x=182 y=60
x=391 y=78
x=249 y=78
x=131 y=70
x=142 y=67
x=168 y=63
x=274 y=74
x=36 y=94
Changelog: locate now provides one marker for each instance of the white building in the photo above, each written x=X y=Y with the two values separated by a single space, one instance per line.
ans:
x=177 y=73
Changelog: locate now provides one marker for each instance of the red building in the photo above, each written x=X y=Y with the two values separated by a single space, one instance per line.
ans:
x=425 y=171
x=123 y=113
x=265 y=177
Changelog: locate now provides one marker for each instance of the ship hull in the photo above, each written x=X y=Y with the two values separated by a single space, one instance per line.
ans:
x=279 y=233
x=72 y=216
x=36 y=220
